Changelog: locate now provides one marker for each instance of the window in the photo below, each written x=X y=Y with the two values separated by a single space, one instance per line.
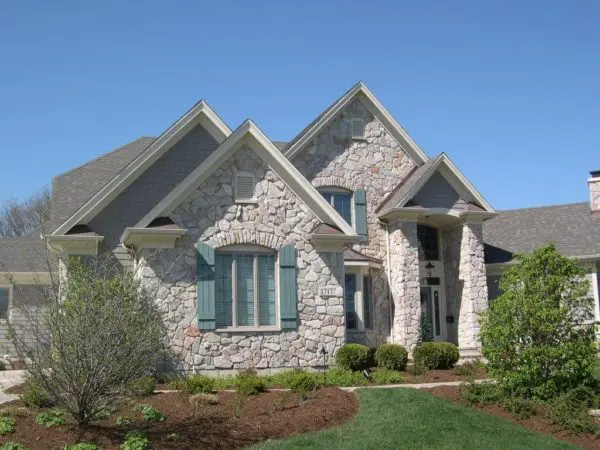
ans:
x=244 y=187
x=428 y=243
x=350 y=294
x=358 y=299
x=358 y=129
x=368 y=301
x=4 y=301
x=245 y=289
x=341 y=200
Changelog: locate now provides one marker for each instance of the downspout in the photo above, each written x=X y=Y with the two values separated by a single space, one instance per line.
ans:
x=389 y=275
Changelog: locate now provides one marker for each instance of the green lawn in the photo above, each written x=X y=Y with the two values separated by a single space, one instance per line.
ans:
x=412 y=419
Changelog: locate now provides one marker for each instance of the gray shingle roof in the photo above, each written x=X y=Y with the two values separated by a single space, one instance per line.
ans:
x=72 y=189
x=23 y=254
x=573 y=228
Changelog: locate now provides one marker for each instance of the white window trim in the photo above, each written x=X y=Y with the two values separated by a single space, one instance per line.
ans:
x=359 y=300
x=10 y=288
x=336 y=189
x=255 y=251
x=243 y=200
x=362 y=122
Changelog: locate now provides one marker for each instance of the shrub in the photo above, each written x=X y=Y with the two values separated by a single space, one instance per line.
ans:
x=36 y=396
x=178 y=384
x=352 y=357
x=199 y=400
x=102 y=414
x=247 y=382
x=483 y=393
x=81 y=446
x=520 y=408
x=289 y=378
x=200 y=384
x=7 y=425
x=345 y=378
x=391 y=357
x=150 y=413
x=538 y=336
x=384 y=376
x=467 y=369
x=123 y=420
x=15 y=411
x=50 y=419
x=570 y=410
x=436 y=355
x=13 y=446
x=135 y=440
x=143 y=387
x=303 y=384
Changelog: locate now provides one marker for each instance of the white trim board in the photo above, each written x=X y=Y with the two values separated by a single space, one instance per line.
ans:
x=249 y=134
x=361 y=91
x=201 y=114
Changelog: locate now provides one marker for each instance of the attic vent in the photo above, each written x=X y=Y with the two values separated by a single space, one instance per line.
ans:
x=244 y=187
x=358 y=129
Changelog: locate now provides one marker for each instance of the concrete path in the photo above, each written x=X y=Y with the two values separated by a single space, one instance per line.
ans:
x=411 y=386
x=10 y=378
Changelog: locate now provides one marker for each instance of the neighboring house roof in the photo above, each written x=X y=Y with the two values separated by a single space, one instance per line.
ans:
x=23 y=254
x=572 y=227
x=359 y=90
x=72 y=189
x=201 y=113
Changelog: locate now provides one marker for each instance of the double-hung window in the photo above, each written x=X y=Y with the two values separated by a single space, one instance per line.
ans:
x=245 y=289
x=429 y=246
x=341 y=200
x=358 y=300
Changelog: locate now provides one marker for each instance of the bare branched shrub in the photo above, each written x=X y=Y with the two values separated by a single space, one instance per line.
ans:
x=97 y=334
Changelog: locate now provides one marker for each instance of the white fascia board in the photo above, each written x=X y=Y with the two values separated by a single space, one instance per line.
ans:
x=377 y=109
x=201 y=113
x=248 y=133
x=151 y=237
x=73 y=244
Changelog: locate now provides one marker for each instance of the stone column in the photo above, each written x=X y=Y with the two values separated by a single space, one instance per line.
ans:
x=404 y=283
x=474 y=297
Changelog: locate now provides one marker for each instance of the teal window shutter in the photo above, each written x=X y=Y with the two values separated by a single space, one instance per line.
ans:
x=360 y=211
x=205 y=278
x=288 y=297
x=223 y=290
x=266 y=290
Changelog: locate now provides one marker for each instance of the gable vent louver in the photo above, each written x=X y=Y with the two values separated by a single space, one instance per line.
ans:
x=244 y=187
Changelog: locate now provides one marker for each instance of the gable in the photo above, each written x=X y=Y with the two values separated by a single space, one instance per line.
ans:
x=437 y=193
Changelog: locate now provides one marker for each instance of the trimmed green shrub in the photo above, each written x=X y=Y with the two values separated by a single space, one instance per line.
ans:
x=150 y=413
x=352 y=357
x=384 y=376
x=345 y=378
x=483 y=393
x=519 y=407
x=135 y=440
x=436 y=355
x=539 y=335
x=303 y=384
x=247 y=382
x=391 y=357
x=12 y=446
x=35 y=396
x=50 y=419
x=143 y=387
x=200 y=384
x=7 y=425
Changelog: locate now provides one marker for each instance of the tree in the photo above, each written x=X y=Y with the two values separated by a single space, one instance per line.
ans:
x=23 y=218
x=539 y=334
x=97 y=335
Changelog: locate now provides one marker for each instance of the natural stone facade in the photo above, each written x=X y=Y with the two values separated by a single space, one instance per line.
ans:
x=594 y=185
x=376 y=164
x=404 y=283
x=451 y=239
x=277 y=218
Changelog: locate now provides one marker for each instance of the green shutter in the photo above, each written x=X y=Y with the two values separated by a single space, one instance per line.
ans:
x=360 y=211
x=205 y=278
x=223 y=290
x=287 y=285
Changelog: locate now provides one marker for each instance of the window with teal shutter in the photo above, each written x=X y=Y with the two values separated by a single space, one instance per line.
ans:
x=360 y=212
x=288 y=296
x=223 y=290
x=266 y=290
x=341 y=200
x=205 y=279
x=245 y=290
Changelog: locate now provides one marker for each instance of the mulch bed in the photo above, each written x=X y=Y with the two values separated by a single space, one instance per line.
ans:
x=536 y=422
x=436 y=376
x=267 y=416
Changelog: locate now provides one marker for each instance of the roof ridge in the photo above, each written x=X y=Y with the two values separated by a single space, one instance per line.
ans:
x=558 y=205
x=104 y=155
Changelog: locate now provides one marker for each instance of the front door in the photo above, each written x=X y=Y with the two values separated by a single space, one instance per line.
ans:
x=431 y=314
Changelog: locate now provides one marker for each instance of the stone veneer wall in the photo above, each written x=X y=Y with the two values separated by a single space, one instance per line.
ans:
x=594 y=194
x=405 y=283
x=451 y=239
x=278 y=218
x=376 y=164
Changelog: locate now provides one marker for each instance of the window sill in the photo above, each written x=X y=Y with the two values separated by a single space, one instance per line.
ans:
x=247 y=329
x=365 y=331
x=249 y=201
x=359 y=138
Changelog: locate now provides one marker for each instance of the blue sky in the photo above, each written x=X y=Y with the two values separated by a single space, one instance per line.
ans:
x=509 y=89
